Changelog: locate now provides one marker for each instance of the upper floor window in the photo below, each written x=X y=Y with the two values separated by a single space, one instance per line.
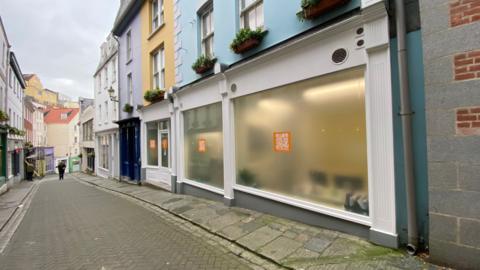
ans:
x=157 y=14
x=251 y=14
x=129 y=45
x=106 y=76
x=114 y=70
x=4 y=60
x=158 y=62
x=99 y=81
x=106 y=111
x=11 y=77
x=130 y=88
x=207 y=31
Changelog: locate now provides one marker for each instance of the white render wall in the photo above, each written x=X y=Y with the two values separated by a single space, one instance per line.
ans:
x=107 y=111
x=4 y=65
x=39 y=127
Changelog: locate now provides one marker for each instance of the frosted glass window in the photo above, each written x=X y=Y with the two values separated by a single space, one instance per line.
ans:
x=204 y=145
x=152 y=144
x=307 y=140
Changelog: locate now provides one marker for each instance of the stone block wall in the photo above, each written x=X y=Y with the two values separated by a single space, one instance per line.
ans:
x=451 y=44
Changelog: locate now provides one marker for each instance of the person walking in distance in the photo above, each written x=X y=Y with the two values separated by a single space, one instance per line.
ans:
x=61 y=170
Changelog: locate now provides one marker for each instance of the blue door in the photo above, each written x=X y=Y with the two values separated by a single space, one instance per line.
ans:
x=130 y=150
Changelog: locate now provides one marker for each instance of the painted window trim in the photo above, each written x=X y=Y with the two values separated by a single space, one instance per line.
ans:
x=159 y=16
x=243 y=11
x=159 y=136
x=318 y=208
x=129 y=46
x=204 y=186
x=207 y=8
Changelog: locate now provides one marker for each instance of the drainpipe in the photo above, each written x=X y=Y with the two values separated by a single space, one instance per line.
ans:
x=406 y=115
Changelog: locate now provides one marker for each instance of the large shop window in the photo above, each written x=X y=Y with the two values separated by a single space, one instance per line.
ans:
x=307 y=140
x=158 y=136
x=204 y=145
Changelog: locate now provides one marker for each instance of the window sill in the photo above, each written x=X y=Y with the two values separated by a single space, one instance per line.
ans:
x=154 y=32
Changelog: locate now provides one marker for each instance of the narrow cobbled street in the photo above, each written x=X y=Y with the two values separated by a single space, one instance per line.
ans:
x=74 y=226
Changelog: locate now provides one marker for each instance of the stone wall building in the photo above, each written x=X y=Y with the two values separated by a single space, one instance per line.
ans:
x=451 y=31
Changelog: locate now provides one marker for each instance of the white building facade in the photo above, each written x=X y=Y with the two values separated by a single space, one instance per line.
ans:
x=15 y=88
x=4 y=64
x=39 y=127
x=106 y=111
x=87 y=139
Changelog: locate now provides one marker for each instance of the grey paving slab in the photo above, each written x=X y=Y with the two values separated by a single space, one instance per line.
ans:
x=74 y=226
x=288 y=243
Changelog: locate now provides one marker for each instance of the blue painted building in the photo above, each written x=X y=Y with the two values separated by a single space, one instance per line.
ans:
x=127 y=29
x=304 y=123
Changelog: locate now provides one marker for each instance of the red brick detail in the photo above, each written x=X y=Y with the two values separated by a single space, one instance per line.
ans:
x=464 y=12
x=467 y=65
x=468 y=121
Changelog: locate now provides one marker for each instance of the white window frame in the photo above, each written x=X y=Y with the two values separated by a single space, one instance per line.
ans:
x=129 y=46
x=106 y=76
x=114 y=70
x=158 y=69
x=207 y=36
x=130 y=88
x=244 y=10
x=158 y=17
x=159 y=144
x=106 y=111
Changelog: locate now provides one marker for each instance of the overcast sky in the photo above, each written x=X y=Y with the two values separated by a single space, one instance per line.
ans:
x=59 y=39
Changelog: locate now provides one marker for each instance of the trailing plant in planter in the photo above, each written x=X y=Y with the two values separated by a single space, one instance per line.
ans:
x=203 y=64
x=3 y=116
x=154 y=95
x=128 y=108
x=247 y=39
x=311 y=9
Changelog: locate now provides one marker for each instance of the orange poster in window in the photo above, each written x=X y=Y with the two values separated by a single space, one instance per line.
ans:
x=153 y=144
x=202 y=145
x=165 y=144
x=282 y=142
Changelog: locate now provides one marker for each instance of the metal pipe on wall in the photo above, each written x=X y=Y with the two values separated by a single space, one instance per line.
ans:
x=406 y=115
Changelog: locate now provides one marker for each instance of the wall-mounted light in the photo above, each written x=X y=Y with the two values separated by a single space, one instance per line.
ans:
x=111 y=93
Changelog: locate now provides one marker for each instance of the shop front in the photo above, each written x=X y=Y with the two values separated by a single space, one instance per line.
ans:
x=108 y=155
x=156 y=144
x=302 y=131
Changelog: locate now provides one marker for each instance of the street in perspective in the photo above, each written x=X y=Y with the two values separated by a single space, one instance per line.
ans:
x=239 y=134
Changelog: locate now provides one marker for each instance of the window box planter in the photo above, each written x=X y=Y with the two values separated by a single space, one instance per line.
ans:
x=153 y=96
x=312 y=9
x=3 y=117
x=247 y=39
x=203 y=64
x=128 y=108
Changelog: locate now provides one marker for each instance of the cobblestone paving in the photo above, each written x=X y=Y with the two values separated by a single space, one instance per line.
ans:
x=290 y=244
x=74 y=226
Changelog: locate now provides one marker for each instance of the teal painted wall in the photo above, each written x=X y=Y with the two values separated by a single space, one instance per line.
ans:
x=280 y=21
x=417 y=91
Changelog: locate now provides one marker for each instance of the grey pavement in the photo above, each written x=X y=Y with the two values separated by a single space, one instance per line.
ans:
x=12 y=199
x=289 y=244
x=71 y=225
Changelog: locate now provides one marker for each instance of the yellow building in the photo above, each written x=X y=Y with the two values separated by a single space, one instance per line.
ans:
x=158 y=71
x=158 y=67
x=36 y=90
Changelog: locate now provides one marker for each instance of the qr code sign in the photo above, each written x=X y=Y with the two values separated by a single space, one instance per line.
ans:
x=282 y=142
